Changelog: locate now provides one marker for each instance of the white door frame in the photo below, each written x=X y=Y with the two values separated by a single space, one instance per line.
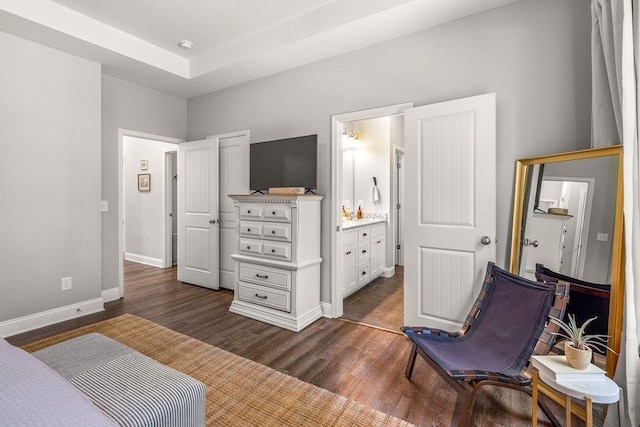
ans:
x=168 y=214
x=337 y=128
x=397 y=190
x=121 y=134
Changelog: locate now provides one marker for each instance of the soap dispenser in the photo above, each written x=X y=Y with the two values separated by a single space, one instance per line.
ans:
x=359 y=214
x=344 y=212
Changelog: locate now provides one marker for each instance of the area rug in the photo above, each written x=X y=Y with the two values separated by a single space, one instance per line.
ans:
x=240 y=392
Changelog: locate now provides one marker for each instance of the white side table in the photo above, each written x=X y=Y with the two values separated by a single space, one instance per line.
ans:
x=605 y=392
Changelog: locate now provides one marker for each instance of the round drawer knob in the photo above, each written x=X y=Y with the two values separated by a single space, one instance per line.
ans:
x=273 y=231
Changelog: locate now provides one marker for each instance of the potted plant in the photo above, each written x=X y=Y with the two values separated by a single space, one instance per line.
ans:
x=578 y=346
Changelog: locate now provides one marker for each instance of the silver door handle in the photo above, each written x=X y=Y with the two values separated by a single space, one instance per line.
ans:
x=212 y=221
x=527 y=242
x=485 y=240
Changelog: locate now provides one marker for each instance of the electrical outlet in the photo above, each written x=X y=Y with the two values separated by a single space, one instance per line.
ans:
x=66 y=283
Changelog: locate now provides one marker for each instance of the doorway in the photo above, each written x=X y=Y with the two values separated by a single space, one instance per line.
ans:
x=145 y=208
x=366 y=176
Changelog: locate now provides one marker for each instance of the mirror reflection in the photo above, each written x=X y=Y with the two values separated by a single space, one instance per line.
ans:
x=568 y=218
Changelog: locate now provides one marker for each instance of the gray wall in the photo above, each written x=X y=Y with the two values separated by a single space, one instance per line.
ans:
x=534 y=54
x=132 y=107
x=50 y=191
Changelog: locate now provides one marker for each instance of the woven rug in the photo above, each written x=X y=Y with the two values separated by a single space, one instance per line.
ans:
x=240 y=392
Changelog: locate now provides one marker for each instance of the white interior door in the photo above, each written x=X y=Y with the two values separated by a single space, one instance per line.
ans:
x=450 y=215
x=234 y=179
x=198 y=221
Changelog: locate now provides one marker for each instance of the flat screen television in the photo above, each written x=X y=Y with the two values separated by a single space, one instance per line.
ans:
x=289 y=162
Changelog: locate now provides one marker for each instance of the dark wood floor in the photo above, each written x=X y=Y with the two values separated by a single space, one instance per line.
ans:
x=362 y=363
x=380 y=303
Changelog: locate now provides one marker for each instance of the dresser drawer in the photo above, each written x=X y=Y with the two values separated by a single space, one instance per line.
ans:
x=277 y=250
x=250 y=247
x=268 y=297
x=267 y=276
x=277 y=212
x=250 y=229
x=249 y=211
x=277 y=231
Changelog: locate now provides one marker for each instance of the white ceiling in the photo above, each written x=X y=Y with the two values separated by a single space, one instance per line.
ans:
x=235 y=41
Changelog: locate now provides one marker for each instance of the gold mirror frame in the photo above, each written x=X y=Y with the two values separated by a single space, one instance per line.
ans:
x=617 y=255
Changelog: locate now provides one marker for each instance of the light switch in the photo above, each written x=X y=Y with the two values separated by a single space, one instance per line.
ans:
x=602 y=237
x=104 y=206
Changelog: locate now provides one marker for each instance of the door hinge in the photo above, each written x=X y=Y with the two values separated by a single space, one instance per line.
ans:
x=398 y=206
x=397 y=246
x=399 y=165
x=337 y=228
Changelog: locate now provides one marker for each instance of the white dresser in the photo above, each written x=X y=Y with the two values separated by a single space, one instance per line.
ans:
x=278 y=259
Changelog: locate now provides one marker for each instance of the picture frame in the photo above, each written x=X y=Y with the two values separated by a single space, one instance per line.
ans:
x=144 y=182
x=144 y=164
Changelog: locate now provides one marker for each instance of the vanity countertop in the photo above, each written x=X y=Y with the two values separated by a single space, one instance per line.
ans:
x=356 y=223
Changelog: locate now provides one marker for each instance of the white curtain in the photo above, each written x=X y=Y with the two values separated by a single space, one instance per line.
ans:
x=615 y=117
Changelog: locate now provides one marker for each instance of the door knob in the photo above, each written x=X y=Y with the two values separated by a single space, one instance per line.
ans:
x=527 y=242
x=485 y=240
x=212 y=221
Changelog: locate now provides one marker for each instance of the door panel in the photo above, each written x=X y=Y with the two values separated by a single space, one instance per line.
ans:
x=450 y=153
x=198 y=213
x=234 y=179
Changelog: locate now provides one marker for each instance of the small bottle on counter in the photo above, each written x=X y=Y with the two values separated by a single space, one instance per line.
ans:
x=359 y=214
x=344 y=212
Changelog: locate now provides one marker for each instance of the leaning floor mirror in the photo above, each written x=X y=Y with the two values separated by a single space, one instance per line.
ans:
x=567 y=219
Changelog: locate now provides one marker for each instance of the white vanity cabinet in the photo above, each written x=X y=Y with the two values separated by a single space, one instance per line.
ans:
x=377 y=247
x=363 y=256
x=278 y=259
x=349 y=262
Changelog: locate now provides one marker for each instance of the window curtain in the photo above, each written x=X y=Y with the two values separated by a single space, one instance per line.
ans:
x=615 y=118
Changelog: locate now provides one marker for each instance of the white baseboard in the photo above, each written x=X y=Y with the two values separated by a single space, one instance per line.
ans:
x=326 y=309
x=389 y=272
x=111 y=294
x=49 y=317
x=143 y=259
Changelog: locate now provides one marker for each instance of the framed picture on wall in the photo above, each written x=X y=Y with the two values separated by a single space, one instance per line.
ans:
x=144 y=182
x=144 y=164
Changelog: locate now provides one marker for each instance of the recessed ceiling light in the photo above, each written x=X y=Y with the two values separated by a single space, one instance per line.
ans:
x=185 y=44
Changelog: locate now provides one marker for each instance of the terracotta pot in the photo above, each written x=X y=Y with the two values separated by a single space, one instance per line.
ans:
x=578 y=359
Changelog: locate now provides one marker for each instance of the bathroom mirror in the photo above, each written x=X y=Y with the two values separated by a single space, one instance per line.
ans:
x=567 y=215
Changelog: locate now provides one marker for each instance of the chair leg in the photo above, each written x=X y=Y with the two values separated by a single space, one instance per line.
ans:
x=466 y=410
x=412 y=360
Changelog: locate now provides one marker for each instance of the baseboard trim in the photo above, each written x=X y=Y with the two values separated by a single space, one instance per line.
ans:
x=326 y=309
x=143 y=259
x=49 y=317
x=389 y=272
x=111 y=294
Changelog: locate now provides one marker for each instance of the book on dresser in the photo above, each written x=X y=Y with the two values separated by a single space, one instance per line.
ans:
x=558 y=370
